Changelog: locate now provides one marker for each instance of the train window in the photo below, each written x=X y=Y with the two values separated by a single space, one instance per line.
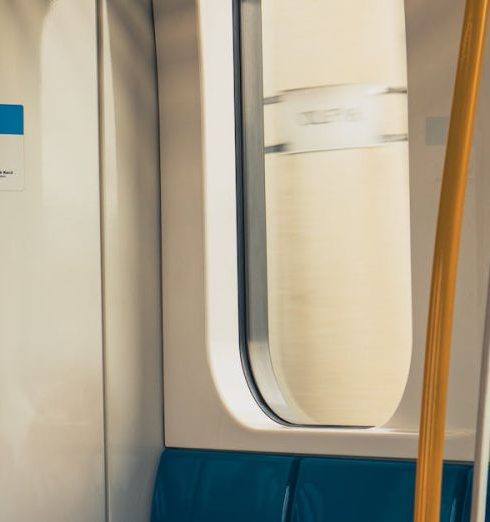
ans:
x=324 y=162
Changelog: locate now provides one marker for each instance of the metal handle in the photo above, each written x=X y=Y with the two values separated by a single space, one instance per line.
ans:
x=439 y=330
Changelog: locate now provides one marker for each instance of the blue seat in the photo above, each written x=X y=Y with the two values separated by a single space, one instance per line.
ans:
x=208 y=486
x=371 y=491
x=213 y=486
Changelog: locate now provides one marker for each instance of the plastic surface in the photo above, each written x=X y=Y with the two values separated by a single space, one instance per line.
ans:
x=211 y=486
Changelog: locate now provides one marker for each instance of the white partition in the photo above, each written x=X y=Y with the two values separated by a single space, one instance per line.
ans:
x=80 y=323
x=51 y=389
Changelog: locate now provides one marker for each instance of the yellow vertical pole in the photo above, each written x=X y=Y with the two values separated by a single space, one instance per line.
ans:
x=439 y=329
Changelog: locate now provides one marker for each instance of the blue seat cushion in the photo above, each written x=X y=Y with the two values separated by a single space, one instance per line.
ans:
x=202 y=486
x=371 y=491
x=214 y=486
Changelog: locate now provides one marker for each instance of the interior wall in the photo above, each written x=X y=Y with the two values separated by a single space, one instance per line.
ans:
x=218 y=410
x=130 y=181
x=181 y=146
x=81 y=427
x=51 y=386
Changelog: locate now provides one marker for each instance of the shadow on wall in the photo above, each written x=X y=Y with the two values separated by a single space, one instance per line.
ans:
x=131 y=228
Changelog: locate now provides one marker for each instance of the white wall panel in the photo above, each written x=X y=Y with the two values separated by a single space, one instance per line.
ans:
x=80 y=322
x=51 y=415
x=131 y=238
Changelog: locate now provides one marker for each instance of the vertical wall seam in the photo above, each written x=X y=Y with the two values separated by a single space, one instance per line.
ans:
x=101 y=140
x=159 y=210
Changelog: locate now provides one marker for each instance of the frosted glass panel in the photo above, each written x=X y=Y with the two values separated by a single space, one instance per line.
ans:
x=337 y=216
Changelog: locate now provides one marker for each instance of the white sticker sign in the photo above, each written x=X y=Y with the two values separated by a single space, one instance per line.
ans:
x=11 y=147
x=336 y=117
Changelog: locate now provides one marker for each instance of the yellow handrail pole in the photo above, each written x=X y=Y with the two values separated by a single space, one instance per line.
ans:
x=445 y=267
